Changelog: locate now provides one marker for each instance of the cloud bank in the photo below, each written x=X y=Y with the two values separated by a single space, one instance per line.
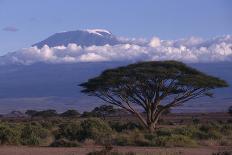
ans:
x=192 y=49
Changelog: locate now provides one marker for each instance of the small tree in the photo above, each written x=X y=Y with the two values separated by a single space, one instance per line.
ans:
x=103 y=111
x=148 y=85
x=70 y=113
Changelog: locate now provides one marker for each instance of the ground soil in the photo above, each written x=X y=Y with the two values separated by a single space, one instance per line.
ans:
x=14 y=150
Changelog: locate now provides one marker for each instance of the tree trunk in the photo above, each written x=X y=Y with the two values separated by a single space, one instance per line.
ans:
x=151 y=127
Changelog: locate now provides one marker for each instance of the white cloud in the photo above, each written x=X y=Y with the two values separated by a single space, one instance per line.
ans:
x=155 y=42
x=187 y=50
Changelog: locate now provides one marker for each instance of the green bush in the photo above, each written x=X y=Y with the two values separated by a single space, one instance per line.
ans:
x=32 y=135
x=164 y=132
x=70 y=113
x=64 y=143
x=44 y=113
x=189 y=131
x=71 y=131
x=211 y=134
x=174 y=141
x=96 y=129
x=8 y=135
x=119 y=126
x=135 y=138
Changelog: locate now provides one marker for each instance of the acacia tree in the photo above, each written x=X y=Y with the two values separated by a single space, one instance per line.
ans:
x=147 y=85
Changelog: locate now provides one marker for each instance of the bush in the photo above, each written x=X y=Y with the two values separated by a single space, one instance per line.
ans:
x=212 y=134
x=164 y=132
x=209 y=131
x=70 y=113
x=8 y=135
x=95 y=129
x=31 y=112
x=32 y=135
x=70 y=131
x=135 y=138
x=119 y=127
x=174 y=141
x=64 y=143
x=45 y=113
x=189 y=131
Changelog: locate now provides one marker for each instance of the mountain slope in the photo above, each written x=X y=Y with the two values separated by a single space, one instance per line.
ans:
x=42 y=86
x=97 y=37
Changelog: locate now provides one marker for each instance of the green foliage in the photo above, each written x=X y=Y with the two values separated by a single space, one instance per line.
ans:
x=154 y=69
x=46 y=113
x=31 y=112
x=209 y=131
x=71 y=131
x=94 y=128
x=119 y=126
x=104 y=110
x=8 y=135
x=101 y=111
x=141 y=84
x=189 y=131
x=135 y=138
x=164 y=132
x=32 y=135
x=174 y=141
x=70 y=113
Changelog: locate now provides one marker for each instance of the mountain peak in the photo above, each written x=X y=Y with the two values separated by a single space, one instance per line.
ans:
x=98 y=31
x=85 y=38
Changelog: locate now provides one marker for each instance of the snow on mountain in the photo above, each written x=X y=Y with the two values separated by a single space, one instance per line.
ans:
x=84 y=38
x=100 y=32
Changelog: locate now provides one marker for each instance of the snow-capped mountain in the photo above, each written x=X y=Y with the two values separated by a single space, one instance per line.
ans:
x=84 y=38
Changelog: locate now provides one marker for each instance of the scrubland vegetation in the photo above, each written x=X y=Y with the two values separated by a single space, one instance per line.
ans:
x=71 y=129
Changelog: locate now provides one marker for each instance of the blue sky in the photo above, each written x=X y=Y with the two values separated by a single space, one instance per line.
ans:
x=24 y=22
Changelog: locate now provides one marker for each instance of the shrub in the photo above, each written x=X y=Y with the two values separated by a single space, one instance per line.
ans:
x=135 y=138
x=31 y=112
x=174 y=141
x=64 y=143
x=70 y=113
x=32 y=135
x=209 y=131
x=95 y=129
x=189 y=131
x=119 y=127
x=212 y=134
x=46 y=113
x=8 y=135
x=164 y=132
x=70 y=131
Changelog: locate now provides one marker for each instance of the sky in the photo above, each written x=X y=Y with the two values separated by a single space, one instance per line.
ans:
x=25 y=22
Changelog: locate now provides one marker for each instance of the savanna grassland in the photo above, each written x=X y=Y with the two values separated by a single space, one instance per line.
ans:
x=72 y=133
